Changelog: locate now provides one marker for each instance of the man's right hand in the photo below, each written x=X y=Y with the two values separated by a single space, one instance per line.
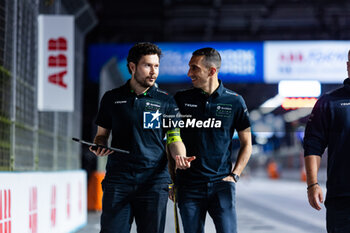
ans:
x=101 y=151
x=183 y=162
x=315 y=197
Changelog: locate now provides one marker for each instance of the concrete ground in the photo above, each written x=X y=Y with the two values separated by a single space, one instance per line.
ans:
x=263 y=206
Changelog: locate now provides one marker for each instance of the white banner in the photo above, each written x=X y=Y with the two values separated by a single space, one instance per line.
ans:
x=41 y=202
x=324 y=61
x=56 y=63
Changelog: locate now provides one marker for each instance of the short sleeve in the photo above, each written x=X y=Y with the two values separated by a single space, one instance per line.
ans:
x=241 y=120
x=104 y=117
x=316 y=132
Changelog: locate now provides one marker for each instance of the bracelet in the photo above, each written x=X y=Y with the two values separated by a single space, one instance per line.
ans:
x=311 y=185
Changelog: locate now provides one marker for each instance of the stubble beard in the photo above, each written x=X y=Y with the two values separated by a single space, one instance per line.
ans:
x=143 y=83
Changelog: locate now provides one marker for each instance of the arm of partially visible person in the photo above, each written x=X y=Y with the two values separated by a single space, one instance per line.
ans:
x=315 y=143
x=101 y=138
x=314 y=191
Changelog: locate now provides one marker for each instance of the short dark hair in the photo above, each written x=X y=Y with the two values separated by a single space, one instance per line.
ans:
x=212 y=56
x=142 y=49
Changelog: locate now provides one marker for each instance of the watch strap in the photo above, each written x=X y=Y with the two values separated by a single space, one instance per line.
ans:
x=235 y=176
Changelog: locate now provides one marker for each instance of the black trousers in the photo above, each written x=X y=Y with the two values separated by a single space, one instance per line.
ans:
x=338 y=215
x=122 y=203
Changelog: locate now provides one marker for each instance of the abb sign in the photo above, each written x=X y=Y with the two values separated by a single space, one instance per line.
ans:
x=60 y=60
x=56 y=63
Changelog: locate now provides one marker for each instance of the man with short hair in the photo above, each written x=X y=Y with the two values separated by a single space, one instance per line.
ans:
x=136 y=184
x=329 y=126
x=209 y=184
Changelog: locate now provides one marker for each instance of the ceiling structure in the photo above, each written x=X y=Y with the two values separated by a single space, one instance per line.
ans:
x=122 y=21
x=220 y=20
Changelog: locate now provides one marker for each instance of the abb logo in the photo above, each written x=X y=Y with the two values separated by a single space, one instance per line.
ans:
x=5 y=211
x=33 y=210
x=53 y=206
x=59 y=44
x=60 y=60
x=292 y=57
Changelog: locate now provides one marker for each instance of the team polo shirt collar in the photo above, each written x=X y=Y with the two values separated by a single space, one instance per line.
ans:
x=218 y=92
x=221 y=89
x=127 y=90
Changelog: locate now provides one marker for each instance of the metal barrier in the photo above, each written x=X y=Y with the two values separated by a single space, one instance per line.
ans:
x=32 y=140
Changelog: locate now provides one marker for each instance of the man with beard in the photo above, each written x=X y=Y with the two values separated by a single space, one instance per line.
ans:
x=329 y=126
x=209 y=184
x=136 y=184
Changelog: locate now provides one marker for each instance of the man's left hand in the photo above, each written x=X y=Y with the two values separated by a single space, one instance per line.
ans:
x=229 y=179
x=315 y=197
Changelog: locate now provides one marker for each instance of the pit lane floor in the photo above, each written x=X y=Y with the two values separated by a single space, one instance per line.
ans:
x=263 y=206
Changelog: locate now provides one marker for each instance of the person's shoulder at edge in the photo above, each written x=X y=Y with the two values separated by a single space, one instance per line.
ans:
x=328 y=96
x=339 y=92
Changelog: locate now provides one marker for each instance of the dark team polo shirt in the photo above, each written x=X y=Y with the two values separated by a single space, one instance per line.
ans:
x=329 y=126
x=211 y=146
x=123 y=112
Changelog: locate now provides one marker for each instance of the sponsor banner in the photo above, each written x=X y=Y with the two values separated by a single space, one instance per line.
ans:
x=324 y=61
x=56 y=63
x=41 y=202
x=241 y=61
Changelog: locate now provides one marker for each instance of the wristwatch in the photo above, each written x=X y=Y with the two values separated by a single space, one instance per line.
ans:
x=235 y=176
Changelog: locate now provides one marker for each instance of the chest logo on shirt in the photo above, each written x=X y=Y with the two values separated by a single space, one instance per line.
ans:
x=120 y=102
x=224 y=110
x=152 y=106
x=191 y=105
